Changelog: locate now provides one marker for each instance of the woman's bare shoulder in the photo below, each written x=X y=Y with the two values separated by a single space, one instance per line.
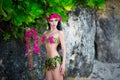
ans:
x=61 y=33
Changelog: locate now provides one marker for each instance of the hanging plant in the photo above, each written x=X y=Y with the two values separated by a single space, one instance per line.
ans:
x=32 y=45
x=31 y=37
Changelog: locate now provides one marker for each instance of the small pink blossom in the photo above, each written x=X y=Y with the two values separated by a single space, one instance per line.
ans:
x=33 y=31
x=36 y=44
x=28 y=34
x=43 y=38
x=36 y=37
x=36 y=50
x=27 y=46
x=27 y=38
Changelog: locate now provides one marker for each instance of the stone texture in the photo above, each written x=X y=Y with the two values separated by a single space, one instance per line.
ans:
x=105 y=71
x=80 y=34
x=102 y=71
x=14 y=62
x=108 y=34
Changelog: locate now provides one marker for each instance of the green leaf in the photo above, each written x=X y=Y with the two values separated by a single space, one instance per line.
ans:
x=100 y=3
x=29 y=19
x=90 y=3
x=18 y=32
x=2 y=12
x=6 y=36
x=7 y=6
x=68 y=4
x=8 y=17
x=96 y=3
x=18 y=16
x=35 y=10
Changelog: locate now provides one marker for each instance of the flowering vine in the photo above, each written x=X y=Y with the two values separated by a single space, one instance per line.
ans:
x=31 y=39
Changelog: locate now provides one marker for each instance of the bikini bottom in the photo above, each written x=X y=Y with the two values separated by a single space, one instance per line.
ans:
x=51 y=63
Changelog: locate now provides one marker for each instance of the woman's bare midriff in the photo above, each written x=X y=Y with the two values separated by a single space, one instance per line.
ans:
x=51 y=50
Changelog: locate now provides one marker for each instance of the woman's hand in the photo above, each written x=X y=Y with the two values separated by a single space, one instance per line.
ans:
x=62 y=69
x=27 y=29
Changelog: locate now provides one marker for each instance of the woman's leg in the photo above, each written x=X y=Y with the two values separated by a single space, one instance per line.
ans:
x=56 y=73
x=49 y=75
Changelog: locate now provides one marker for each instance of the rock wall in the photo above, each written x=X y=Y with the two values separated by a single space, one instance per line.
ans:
x=80 y=35
x=14 y=64
x=108 y=33
x=105 y=71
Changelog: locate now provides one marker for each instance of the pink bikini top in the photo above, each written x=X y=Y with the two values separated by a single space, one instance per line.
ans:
x=50 y=39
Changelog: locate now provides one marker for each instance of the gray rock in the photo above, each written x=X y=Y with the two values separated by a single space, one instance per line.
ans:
x=105 y=71
x=80 y=35
x=108 y=38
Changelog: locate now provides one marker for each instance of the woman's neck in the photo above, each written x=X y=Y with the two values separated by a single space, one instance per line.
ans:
x=53 y=29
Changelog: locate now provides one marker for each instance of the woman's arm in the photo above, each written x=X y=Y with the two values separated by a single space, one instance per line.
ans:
x=63 y=46
x=42 y=39
x=40 y=42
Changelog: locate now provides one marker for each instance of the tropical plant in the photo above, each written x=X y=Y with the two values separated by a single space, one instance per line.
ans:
x=32 y=13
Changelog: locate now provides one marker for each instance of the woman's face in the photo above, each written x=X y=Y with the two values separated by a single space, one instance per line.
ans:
x=53 y=22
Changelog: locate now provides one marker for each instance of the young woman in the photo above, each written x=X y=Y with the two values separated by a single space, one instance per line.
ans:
x=52 y=38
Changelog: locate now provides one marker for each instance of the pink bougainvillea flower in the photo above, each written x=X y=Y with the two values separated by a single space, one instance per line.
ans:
x=27 y=38
x=28 y=34
x=26 y=50
x=36 y=50
x=27 y=46
x=31 y=35
x=33 y=31
x=36 y=44
x=36 y=37
x=43 y=38
x=51 y=39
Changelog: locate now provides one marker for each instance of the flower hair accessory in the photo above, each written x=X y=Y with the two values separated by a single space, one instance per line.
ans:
x=54 y=16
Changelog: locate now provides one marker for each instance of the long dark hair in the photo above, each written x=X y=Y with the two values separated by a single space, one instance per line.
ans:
x=59 y=28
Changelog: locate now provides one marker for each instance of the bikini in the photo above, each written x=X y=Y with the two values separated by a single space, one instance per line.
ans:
x=50 y=39
x=51 y=63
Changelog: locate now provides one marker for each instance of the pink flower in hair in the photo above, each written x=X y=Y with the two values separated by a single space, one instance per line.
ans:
x=60 y=18
x=54 y=16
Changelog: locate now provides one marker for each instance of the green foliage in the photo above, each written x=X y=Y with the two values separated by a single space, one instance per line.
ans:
x=99 y=4
x=32 y=13
x=96 y=3
x=6 y=36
